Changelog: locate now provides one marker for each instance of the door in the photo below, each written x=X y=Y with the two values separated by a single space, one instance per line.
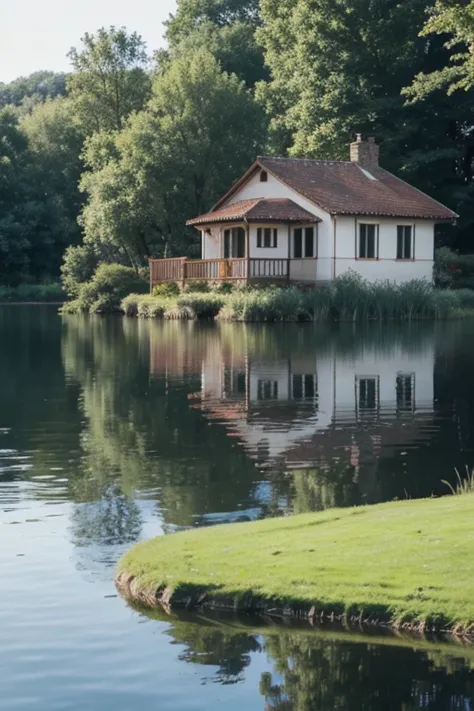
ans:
x=234 y=243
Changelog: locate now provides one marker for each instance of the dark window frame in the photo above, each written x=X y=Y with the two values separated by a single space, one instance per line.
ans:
x=263 y=176
x=367 y=233
x=267 y=237
x=405 y=243
x=305 y=242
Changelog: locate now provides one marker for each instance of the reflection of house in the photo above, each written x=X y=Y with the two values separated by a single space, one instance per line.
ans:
x=312 y=408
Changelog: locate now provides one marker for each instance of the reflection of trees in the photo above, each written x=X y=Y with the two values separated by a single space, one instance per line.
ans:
x=325 y=487
x=140 y=434
x=219 y=647
x=111 y=519
x=314 y=674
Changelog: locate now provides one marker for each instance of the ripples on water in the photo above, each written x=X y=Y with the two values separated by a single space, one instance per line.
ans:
x=112 y=431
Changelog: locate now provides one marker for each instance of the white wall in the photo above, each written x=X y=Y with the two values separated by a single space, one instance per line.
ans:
x=210 y=244
x=387 y=266
x=338 y=230
x=273 y=188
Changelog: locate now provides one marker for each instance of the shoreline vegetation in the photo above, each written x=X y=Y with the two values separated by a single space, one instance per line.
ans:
x=32 y=294
x=402 y=565
x=348 y=298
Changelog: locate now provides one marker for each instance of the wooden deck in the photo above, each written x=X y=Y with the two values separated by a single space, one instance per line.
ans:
x=181 y=269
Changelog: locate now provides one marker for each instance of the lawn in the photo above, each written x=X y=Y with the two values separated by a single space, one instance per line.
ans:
x=403 y=562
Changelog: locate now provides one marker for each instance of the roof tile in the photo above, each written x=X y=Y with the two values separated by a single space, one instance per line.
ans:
x=258 y=210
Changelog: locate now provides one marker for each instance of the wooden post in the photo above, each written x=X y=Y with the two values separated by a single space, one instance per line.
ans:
x=150 y=267
x=183 y=272
x=247 y=248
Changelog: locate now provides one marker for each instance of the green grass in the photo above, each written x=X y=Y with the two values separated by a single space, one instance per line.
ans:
x=32 y=293
x=348 y=298
x=402 y=562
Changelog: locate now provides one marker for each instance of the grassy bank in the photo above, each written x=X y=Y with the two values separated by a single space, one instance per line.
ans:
x=403 y=563
x=347 y=299
x=52 y=293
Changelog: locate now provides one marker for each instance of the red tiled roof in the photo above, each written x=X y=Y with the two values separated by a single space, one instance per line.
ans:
x=258 y=210
x=345 y=188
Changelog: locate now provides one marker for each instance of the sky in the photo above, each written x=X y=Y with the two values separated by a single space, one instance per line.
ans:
x=37 y=34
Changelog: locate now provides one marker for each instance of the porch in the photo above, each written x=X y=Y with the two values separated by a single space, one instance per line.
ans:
x=182 y=269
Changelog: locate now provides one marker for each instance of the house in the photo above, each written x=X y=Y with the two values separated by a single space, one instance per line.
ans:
x=310 y=221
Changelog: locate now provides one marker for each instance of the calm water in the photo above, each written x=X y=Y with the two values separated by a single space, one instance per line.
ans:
x=112 y=431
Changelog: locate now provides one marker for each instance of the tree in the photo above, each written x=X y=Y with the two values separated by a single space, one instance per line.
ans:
x=36 y=87
x=226 y=29
x=55 y=137
x=200 y=130
x=456 y=20
x=340 y=67
x=110 y=79
x=32 y=220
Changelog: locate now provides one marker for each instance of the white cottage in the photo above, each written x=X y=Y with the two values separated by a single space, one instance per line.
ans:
x=310 y=221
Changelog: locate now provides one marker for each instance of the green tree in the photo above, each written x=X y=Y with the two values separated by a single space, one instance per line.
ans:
x=32 y=219
x=55 y=138
x=36 y=87
x=340 y=67
x=110 y=80
x=454 y=20
x=200 y=130
x=224 y=27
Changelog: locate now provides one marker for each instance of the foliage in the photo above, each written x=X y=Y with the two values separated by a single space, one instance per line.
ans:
x=32 y=293
x=55 y=139
x=454 y=20
x=109 y=81
x=33 y=89
x=340 y=67
x=226 y=29
x=200 y=130
x=407 y=580
x=453 y=270
x=78 y=267
x=104 y=292
x=464 y=485
x=348 y=298
x=168 y=288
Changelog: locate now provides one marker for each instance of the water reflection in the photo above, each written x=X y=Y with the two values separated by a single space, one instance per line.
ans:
x=316 y=671
x=115 y=430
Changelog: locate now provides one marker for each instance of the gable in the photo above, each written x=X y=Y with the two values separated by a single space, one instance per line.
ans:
x=252 y=188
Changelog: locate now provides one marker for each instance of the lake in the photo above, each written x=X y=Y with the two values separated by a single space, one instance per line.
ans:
x=115 y=430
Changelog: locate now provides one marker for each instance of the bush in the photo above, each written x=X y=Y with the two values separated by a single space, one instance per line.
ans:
x=79 y=265
x=168 y=288
x=197 y=287
x=104 y=293
x=453 y=270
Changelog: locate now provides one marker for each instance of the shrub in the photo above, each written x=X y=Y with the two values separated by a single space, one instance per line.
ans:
x=79 y=265
x=168 y=288
x=202 y=306
x=110 y=284
x=453 y=270
x=197 y=287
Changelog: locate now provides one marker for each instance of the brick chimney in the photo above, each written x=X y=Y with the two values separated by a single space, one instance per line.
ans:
x=365 y=153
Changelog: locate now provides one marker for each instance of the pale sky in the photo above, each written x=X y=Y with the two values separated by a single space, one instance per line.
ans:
x=37 y=34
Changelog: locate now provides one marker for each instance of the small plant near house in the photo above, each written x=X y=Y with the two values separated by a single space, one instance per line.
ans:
x=168 y=288
x=462 y=486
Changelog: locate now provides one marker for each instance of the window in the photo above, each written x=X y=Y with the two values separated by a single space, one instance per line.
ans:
x=234 y=243
x=267 y=237
x=264 y=176
x=304 y=387
x=267 y=390
x=368 y=241
x=304 y=242
x=367 y=396
x=405 y=392
x=405 y=242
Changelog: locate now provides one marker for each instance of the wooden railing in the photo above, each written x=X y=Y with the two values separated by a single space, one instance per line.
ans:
x=268 y=268
x=167 y=270
x=180 y=269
